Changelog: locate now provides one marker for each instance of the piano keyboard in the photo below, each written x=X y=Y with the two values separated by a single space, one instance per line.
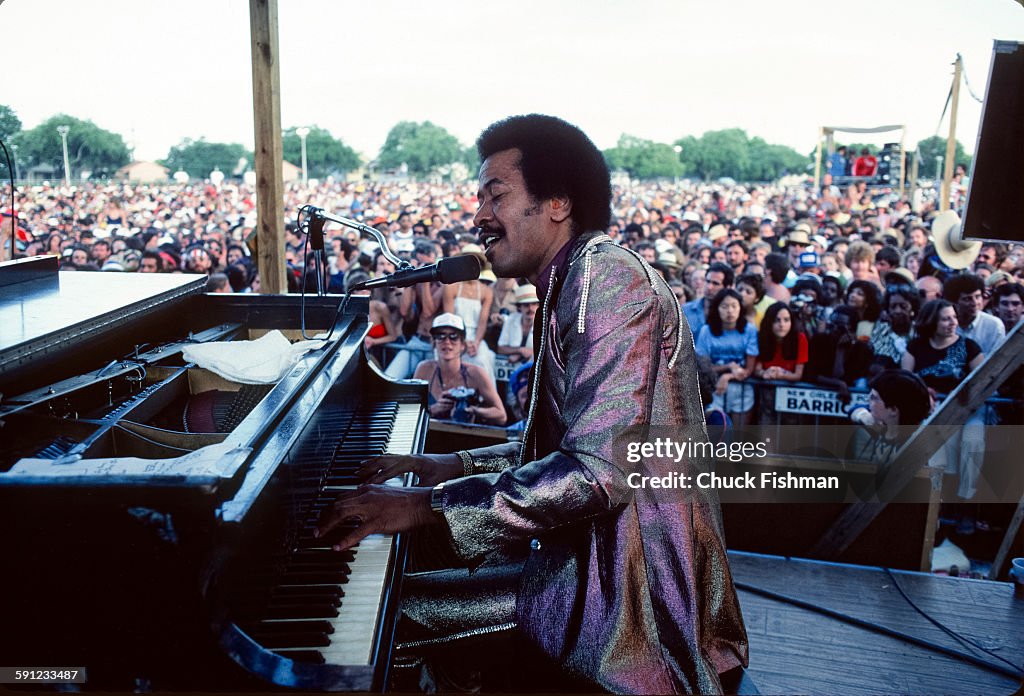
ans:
x=324 y=606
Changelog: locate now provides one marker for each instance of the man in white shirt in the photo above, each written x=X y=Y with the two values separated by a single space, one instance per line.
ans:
x=516 y=340
x=967 y=293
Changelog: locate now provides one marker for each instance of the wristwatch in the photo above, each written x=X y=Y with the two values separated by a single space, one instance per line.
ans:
x=437 y=499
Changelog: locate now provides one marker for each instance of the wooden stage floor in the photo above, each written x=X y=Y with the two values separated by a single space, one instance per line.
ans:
x=796 y=650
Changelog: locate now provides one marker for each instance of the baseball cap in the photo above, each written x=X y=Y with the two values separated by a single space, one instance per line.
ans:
x=448 y=321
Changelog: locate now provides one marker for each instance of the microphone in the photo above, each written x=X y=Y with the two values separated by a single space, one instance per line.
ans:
x=453 y=270
x=316 y=233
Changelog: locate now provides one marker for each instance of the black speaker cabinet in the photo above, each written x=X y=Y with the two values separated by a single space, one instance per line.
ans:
x=997 y=178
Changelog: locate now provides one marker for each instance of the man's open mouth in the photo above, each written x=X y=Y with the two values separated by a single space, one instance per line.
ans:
x=488 y=238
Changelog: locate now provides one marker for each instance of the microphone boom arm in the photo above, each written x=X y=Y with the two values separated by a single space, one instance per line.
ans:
x=321 y=214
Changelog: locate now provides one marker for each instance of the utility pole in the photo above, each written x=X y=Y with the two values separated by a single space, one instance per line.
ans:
x=947 y=177
x=62 y=131
x=302 y=133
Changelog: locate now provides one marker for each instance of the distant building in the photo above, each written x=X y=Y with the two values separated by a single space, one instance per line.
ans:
x=40 y=172
x=143 y=172
x=289 y=172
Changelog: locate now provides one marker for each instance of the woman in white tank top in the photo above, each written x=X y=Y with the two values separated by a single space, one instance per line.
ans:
x=471 y=300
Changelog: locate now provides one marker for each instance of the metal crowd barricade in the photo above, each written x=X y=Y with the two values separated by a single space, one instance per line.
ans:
x=798 y=414
x=503 y=368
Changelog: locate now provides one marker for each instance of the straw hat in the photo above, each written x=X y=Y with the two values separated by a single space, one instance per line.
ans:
x=526 y=294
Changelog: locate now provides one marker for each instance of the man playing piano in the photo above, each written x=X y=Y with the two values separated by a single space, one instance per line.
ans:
x=626 y=588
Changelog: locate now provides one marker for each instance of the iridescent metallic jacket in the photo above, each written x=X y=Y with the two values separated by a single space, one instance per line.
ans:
x=628 y=587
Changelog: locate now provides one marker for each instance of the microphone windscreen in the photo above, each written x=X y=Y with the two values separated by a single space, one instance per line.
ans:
x=458 y=268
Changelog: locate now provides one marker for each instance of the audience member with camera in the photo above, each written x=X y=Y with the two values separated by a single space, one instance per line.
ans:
x=458 y=390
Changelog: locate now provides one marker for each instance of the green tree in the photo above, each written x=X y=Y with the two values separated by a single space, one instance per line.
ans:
x=420 y=146
x=768 y=162
x=720 y=153
x=198 y=157
x=731 y=153
x=10 y=124
x=934 y=146
x=689 y=155
x=325 y=154
x=89 y=147
x=644 y=159
x=471 y=158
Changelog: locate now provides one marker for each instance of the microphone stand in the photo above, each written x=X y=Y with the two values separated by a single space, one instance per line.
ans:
x=316 y=242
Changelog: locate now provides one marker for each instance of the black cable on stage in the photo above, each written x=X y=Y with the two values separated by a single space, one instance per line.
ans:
x=943 y=627
x=14 y=212
x=1015 y=673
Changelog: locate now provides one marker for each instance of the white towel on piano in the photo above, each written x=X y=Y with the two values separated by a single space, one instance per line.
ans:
x=263 y=361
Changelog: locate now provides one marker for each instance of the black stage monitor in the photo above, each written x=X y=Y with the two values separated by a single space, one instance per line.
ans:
x=997 y=176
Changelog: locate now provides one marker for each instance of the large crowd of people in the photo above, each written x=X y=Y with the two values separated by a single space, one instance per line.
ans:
x=828 y=286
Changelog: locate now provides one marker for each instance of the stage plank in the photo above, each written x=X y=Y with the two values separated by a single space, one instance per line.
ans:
x=797 y=650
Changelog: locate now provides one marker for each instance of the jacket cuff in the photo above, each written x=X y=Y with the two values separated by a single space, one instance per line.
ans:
x=490 y=460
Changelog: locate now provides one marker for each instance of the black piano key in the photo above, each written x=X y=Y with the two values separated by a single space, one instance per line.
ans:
x=273 y=640
x=310 y=656
x=313 y=578
x=326 y=555
x=306 y=610
x=311 y=626
x=324 y=610
x=315 y=594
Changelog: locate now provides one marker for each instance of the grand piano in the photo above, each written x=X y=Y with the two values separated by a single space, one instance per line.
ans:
x=156 y=518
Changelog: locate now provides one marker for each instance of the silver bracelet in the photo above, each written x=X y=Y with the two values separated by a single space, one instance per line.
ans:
x=467 y=462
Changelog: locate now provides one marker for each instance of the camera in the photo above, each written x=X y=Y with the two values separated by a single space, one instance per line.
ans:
x=464 y=398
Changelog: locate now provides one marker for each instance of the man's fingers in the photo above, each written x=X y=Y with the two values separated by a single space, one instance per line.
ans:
x=375 y=473
x=343 y=510
x=353 y=537
x=381 y=469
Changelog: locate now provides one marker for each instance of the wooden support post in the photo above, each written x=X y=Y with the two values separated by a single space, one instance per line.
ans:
x=1004 y=547
x=926 y=441
x=266 y=102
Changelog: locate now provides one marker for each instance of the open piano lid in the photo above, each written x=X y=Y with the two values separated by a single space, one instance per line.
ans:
x=51 y=319
x=41 y=310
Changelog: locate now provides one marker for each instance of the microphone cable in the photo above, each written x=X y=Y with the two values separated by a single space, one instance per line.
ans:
x=302 y=224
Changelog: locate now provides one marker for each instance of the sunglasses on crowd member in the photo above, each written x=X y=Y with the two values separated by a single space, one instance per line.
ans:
x=447 y=336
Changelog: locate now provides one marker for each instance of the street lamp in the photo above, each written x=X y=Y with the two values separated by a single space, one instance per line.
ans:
x=63 y=131
x=302 y=133
x=938 y=167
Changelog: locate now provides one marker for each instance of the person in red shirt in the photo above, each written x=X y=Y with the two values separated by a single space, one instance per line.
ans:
x=781 y=344
x=22 y=236
x=866 y=164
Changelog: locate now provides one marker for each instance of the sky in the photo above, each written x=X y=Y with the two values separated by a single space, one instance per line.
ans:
x=159 y=72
